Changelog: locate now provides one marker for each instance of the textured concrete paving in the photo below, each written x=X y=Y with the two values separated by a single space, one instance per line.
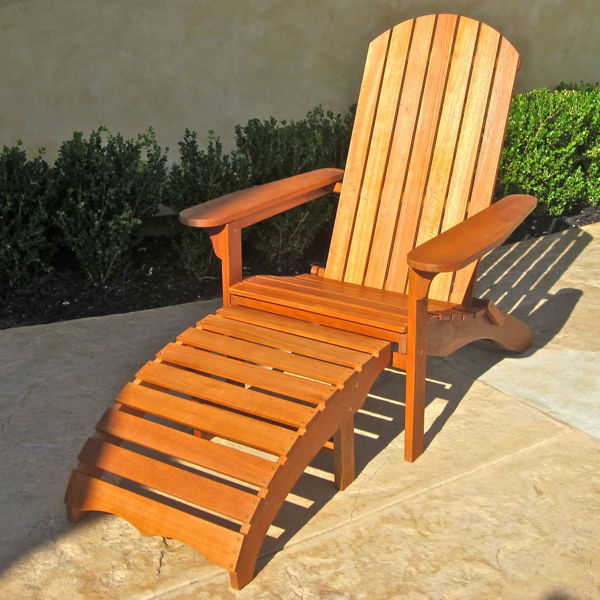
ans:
x=505 y=503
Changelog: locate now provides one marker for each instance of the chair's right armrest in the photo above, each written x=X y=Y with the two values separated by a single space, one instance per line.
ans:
x=257 y=203
x=471 y=239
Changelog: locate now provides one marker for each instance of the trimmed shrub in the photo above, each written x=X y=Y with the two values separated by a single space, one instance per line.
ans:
x=552 y=149
x=265 y=151
x=102 y=189
x=270 y=150
x=200 y=176
x=24 y=249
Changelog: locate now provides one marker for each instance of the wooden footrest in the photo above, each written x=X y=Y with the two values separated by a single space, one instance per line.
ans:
x=212 y=435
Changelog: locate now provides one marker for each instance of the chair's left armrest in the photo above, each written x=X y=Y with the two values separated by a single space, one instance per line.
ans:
x=470 y=240
x=257 y=203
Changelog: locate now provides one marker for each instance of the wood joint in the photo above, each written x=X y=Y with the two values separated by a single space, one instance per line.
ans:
x=494 y=314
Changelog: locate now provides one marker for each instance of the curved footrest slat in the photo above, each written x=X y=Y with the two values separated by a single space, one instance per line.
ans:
x=212 y=435
x=218 y=544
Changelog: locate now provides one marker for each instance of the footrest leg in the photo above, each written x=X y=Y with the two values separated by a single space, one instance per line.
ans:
x=343 y=454
x=74 y=514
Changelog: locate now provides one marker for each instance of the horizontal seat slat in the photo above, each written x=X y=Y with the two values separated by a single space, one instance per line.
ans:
x=224 y=423
x=285 y=341
x=204 y=453
x=314 y=331
x=393 y=306
x=265 y=355
x=335 y=307
x=385 y=297
x=351 y=296
x=190 y=487
x=218 y=544
x=318 y=317
x=250 y=374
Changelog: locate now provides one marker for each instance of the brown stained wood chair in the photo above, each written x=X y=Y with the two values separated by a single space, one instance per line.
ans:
x=210 y=437
x=414 y=214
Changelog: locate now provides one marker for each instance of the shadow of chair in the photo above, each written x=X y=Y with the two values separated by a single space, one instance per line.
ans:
x=521 y=279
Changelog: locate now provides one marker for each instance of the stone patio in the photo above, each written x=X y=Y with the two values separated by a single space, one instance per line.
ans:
x=505 y=502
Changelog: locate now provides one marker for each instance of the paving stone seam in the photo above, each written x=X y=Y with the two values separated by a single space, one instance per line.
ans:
x=371 y=513
x=463 y=475
x=527 y=402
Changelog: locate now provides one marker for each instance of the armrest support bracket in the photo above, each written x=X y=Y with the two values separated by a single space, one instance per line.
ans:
x=225 y=217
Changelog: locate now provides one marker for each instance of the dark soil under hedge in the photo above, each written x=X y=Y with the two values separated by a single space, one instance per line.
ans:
x=156 y=279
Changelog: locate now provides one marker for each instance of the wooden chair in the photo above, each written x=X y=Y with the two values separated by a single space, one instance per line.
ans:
x=414 y=214
x=283 y=367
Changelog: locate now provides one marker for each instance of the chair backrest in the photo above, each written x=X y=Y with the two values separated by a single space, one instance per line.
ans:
x=425 y=148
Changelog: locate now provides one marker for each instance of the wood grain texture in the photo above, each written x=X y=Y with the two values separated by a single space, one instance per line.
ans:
x=189 y=486
x=181 y=445
x=218 y=544
x=470 y=239
x=261 y=201
x=401 y=149
x=432 y=130
x=488 y=161
x=377 y=159
x=416 y=362
x=357 y=155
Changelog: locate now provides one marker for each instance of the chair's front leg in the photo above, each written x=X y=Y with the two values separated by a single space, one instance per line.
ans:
x=416 y=358
x=227 y=244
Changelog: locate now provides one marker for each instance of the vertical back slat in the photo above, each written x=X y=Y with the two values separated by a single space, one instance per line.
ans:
x=418 y=171
x=357 y=156
x=449 y=128
x=507 y=65
x=402 y=142
x=468 y=144
x=377 y=161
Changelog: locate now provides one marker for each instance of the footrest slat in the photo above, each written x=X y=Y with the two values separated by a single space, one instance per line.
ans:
x=263 y=354
x=313 y=331
x=210 y=455
x=246 y=373
x=203 y=417
x=285 y=341
x=217 y=543
x=177 y=482
x=237 y=397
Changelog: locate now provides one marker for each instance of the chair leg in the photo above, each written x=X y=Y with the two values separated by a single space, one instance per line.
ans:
x=343 y=454
x=75 y=515
x=415 y=409
x=416 y=360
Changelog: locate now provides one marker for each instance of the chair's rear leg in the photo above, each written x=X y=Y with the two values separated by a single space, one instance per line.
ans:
x=343 y=454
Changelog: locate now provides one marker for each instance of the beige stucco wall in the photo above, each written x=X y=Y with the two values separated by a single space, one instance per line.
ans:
x=209 y=64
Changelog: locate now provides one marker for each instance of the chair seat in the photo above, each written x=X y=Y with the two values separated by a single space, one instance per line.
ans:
x=370 y=311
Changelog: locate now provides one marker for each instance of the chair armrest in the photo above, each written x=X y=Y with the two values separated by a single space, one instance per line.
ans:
x=470 y=240
x=255 y=204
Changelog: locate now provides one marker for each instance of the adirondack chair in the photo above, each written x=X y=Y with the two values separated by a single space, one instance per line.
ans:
x=414 y=205
x=286 y=363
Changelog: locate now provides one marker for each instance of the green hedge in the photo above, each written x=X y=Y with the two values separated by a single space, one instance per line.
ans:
x=264 y=151
x=201 y=174
x=25 y=251
x=552 y=149
x=101 y=189
x=93 y=199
